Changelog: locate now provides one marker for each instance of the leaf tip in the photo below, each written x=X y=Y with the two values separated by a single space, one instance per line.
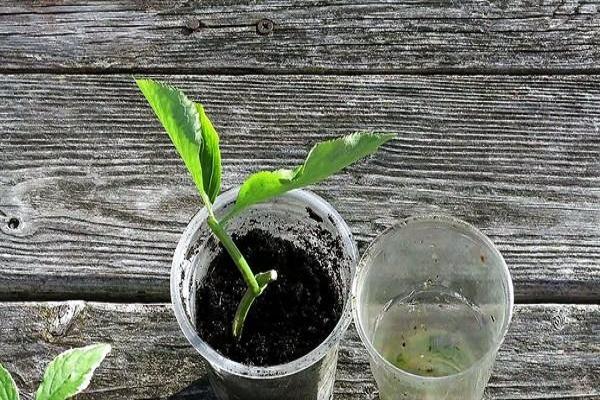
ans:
x=141 y=82
x=388 y=136
x=105 y=348
x=273 y=275
x=381 y=137
x=148 y=84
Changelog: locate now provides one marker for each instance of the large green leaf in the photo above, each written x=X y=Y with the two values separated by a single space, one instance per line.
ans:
x=71 y=372
x=191 y=132
x=8 y=389
x=324 y=160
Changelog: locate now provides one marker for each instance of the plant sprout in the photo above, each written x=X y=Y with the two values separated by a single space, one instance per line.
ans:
x=67 y=375
x=197 y=142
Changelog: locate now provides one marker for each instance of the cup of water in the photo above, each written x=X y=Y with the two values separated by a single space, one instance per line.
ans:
x=432 y=300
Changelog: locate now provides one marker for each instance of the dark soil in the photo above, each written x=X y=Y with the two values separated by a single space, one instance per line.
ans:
x=291 y=318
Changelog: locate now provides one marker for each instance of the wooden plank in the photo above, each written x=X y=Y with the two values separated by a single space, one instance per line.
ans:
x=551 y=351
x=101 y=197
x=309 y=36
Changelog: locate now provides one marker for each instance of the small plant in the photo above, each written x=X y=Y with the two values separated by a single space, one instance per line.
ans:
x=197 y=142
x=67 y=375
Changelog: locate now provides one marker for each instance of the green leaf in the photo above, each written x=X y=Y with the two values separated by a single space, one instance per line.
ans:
x=71 y=372
x=8 y=388
x=210 y=156
x=324 y=160
x=191 y=132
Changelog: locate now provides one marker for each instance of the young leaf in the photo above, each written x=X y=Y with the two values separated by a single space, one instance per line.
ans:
x=191 y=132
x=210 y=156
x=263 y=279
x=324 y=160
x=71 y=372
x=8 y=388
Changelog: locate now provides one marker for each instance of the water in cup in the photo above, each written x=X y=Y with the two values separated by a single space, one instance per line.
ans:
x=432 y=331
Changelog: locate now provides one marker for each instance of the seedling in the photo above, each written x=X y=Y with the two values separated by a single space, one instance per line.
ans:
x=67 y=375
x=197 y=142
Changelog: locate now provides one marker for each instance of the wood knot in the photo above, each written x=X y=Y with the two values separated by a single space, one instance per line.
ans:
x=62 y=321
x=558 y=321
x=264 y=27
x=13 y=223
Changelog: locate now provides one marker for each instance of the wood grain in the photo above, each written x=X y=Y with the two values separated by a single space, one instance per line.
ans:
x=506 y=36
x=551 y=351
x=101 y=197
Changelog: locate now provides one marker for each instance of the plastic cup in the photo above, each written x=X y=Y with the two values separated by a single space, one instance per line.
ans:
x=432 y=301
x=309 y=377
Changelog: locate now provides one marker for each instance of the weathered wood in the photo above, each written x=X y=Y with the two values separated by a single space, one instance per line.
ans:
x=309 y=36
x=101 y=197
x=551 y=351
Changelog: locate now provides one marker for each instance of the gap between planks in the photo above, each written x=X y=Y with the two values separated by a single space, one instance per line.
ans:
x=303 y=71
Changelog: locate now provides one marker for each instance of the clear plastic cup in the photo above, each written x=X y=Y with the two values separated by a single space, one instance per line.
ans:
x=432 y=301
x=309 y=377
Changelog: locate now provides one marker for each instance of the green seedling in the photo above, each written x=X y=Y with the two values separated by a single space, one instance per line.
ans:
x=197 y=142
x=67 y=375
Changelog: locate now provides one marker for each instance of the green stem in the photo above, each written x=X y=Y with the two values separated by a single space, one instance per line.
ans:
x=263 y=279
x=256 y=284
x=235 y=254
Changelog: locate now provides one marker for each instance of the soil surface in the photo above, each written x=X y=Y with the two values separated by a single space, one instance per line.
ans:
x=293 y=315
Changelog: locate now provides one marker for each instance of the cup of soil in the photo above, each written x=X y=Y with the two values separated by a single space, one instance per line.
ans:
x=289 y=345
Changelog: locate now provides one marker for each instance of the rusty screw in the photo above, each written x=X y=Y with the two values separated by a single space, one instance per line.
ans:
x=264 y=26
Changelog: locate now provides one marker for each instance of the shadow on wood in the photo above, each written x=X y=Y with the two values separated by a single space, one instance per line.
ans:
x=199 y=389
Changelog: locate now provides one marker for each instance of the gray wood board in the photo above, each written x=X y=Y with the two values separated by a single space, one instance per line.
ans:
x=101 y=197
x=309 y=36
x=551 y=351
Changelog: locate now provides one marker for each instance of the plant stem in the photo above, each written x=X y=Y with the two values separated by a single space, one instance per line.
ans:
x=263 y=279
x=256 y=284
x=235 y=254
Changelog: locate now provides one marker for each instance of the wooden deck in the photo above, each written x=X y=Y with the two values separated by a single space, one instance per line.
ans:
x=497 y=110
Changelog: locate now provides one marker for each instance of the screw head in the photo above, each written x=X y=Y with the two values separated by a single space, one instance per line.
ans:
x=264 y=26
x=193 y=24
